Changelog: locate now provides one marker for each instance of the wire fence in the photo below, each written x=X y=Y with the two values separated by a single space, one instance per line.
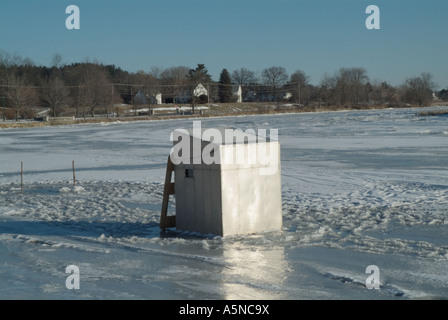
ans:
x=113 y=100
x=247 y=92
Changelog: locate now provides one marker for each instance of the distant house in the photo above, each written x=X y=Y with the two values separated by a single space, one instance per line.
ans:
x=435 y=98
x=182 y=97
x=238 y=93
x=443 y=95
x=287 y=95
x=266 y=94
x=200 y=91
x=142 y=98
x=185 y=96
x=156 y=98
x=251 y=96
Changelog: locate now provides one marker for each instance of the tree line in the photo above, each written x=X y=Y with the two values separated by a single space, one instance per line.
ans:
x=84 y=88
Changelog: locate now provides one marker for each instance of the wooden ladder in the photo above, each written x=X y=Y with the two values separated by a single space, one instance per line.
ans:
x=165 y=220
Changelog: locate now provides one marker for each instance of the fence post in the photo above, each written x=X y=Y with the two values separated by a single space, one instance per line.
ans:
x=21 y=176
x=74 y=176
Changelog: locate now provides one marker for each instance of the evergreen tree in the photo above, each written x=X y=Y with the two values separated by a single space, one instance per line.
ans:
x=225 y=87
x=198 y=76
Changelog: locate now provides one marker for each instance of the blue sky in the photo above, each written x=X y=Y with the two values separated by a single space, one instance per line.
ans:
x=316 y=36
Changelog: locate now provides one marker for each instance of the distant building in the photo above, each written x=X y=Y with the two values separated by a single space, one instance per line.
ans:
x=238 y=93
x=443 y=95
x=156 y=99
x=200 y=91
x=224 y=197
x=287 y=96
x=266 y=94
x=142 y=98
x=250 y=96
x=185 y=96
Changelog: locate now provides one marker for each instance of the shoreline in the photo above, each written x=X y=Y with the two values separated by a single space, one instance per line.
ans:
x=11 y=124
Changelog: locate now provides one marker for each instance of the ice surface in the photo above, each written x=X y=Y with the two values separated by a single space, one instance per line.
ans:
x=359 y=188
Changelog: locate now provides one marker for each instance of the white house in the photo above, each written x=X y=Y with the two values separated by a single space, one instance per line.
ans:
x=156 y=99
x=267 y=95
x=435 y=98
x=142 y=98
x=200 y=91
x=185 y=97
x=238 y=92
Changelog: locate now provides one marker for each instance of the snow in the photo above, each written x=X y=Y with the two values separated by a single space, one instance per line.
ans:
x=180 y=108
x=359 y=188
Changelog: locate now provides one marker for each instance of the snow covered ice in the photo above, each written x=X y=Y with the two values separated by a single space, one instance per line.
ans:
x=358 y=188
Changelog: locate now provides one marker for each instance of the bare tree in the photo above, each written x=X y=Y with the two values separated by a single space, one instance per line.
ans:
x=243 y=77
x=419 y=89
x=300 y=86
x=341 y=86
x=275 y=78
x=5 y=65
x=19 y=94
x=106 y=96
x=349 y=86
x=383 y=93
x=155 y=72
x=15 y=61
x=91 y=88
x=99 y=90
x=324 y=94
x=55 y=94
x=78 y=76
x=246 y=78
x=174 y=81
x=56 y=60
x=358 y=81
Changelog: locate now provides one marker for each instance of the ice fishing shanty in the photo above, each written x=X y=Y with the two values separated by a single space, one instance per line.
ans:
x=226 y=181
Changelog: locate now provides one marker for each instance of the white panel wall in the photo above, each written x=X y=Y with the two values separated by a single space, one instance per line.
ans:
x=231 y=198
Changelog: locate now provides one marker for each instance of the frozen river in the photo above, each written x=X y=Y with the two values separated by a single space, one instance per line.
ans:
x=359 y=189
